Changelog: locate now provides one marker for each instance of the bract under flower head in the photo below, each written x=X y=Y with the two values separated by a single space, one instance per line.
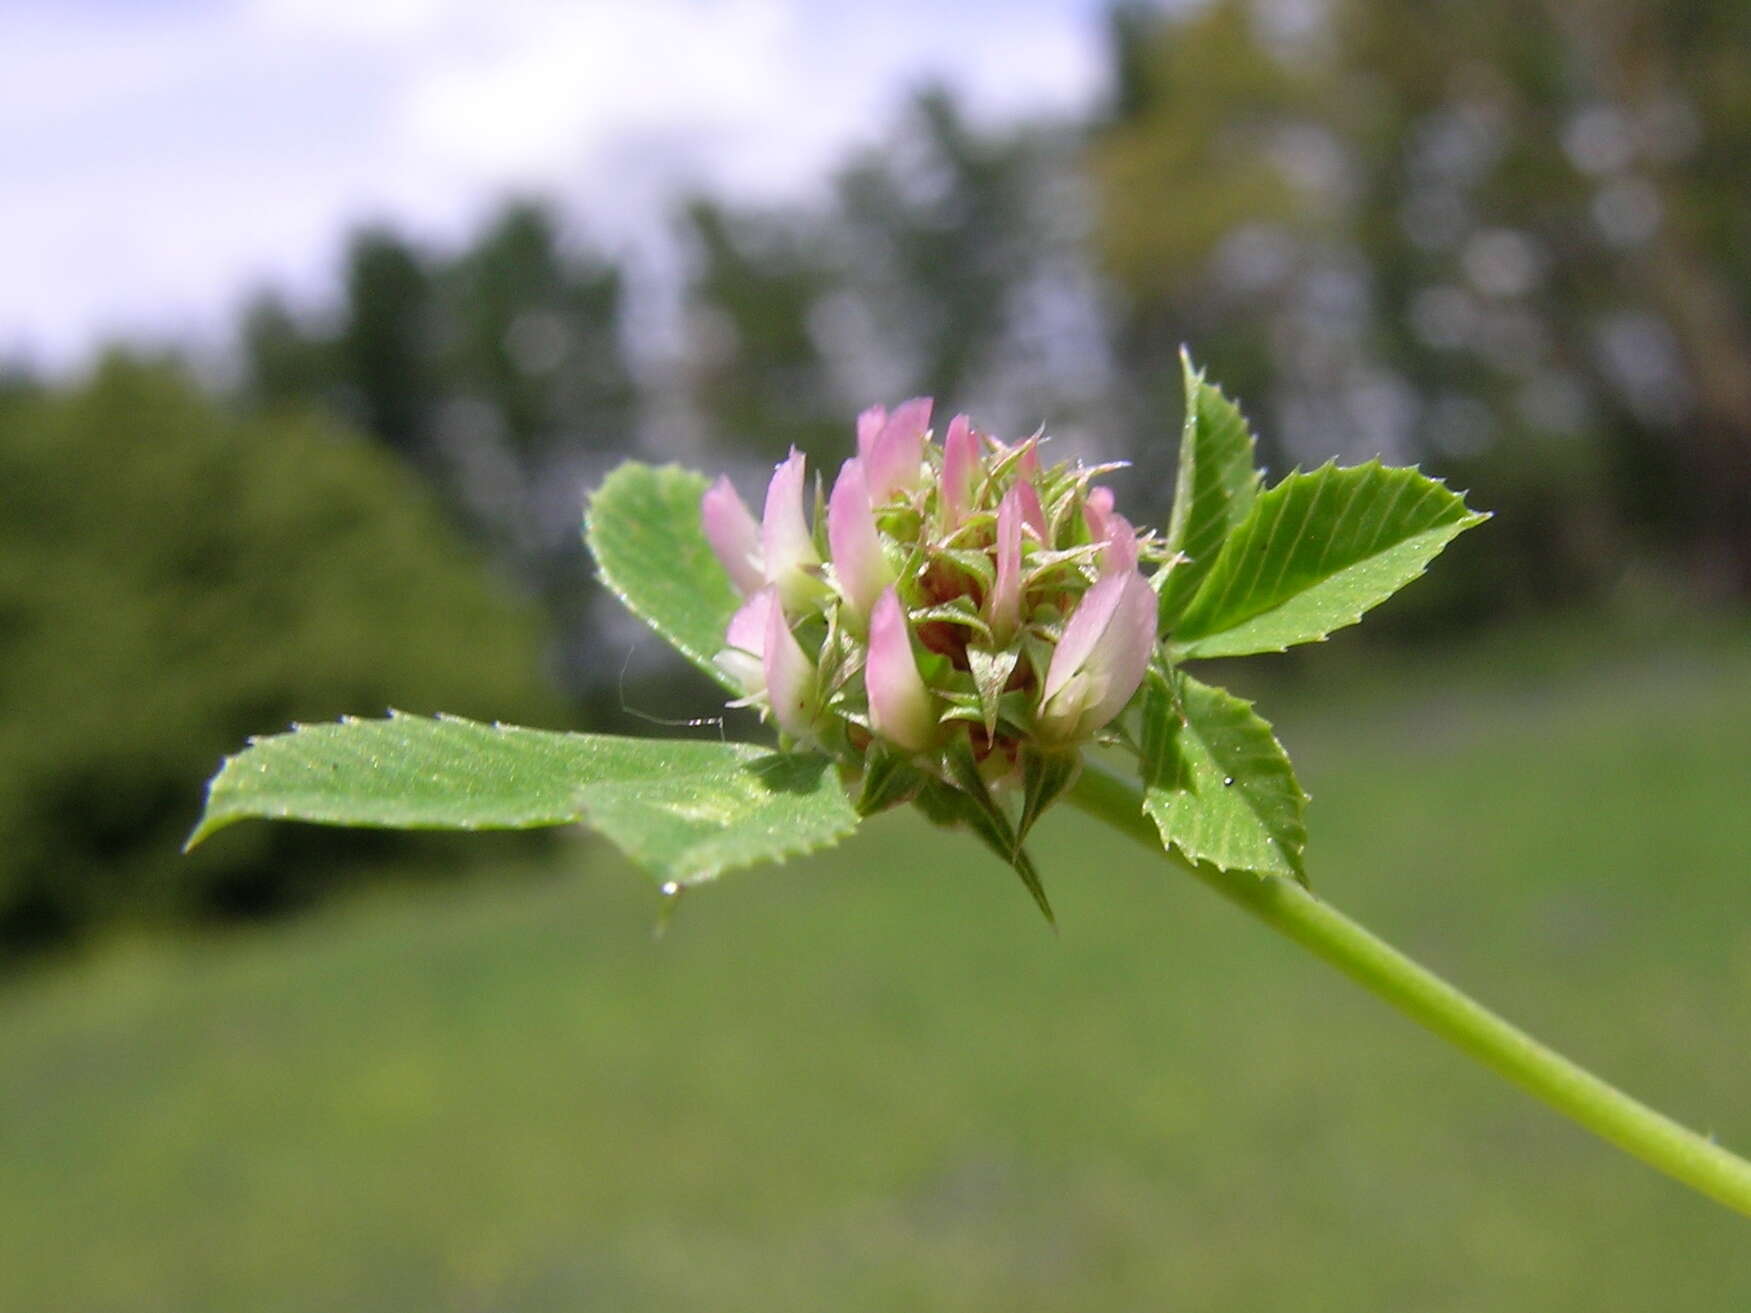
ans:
x=977 y=603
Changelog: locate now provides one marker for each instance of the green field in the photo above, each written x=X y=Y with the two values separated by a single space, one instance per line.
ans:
x=874 y=1080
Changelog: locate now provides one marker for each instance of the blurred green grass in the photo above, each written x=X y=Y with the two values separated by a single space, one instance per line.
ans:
x=874 y=1080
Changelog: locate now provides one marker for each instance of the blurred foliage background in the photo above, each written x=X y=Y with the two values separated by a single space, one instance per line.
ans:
x=1508 y=243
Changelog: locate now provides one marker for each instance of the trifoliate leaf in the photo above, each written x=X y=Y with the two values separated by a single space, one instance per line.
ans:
x=1214 y=489
x=687 y=810
x=1216 y=782
x=1317 y=551
x=643 y=528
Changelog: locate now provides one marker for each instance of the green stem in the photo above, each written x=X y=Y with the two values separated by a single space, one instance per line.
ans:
x=1377 y=966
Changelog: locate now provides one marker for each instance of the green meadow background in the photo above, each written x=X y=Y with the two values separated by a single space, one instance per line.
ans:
x=874 y=1079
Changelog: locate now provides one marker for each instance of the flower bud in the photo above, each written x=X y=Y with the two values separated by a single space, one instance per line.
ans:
x=786 y=544
x=870 y=423
x=791 y=682
x=745 y=642
x=960 y=466
x=899 y=704
x=893 y=458
x=1032 y=513
x=1096 y=507
x=859 y=566
x=1003 y=605
x=734 y=535
x=1101 y=658
x=1120 y=554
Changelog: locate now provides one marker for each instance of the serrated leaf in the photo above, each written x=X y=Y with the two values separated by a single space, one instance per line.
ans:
x=686 y=809
x=1317 y=551
x=643 y=527
x=1217 y=783
x=1214 y=490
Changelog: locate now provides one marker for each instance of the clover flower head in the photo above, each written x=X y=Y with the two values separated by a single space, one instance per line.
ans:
x=961 y=601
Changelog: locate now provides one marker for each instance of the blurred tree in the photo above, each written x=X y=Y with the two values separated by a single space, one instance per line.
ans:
x=288 y=364
x=947 y=261
x=537 y=401
x=499 y=371
x=962 y=247
x=757 y=372
x=173 y=579
x=387 y=341
x=1505 y=240
x=945 y=218
x=1187 y=174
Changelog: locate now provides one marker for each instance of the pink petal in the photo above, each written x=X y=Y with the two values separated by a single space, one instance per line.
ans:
x=1032 y=513
x=1101 y=658
x=1081 y=632
x=785 y=541
x=858 y=563
x=869 y=427
x=734 y=535
x=896 y=454
x=1004 y=605
x=1122 y=658
x=1096 y=507
x=899 y=704
x=960 y=464
x=745 y=641
x=790 y=677
x=1120 y=556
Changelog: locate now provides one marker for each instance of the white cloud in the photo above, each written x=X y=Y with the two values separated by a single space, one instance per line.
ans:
x=158 y=161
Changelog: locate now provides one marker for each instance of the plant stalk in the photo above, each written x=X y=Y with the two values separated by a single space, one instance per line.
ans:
x=1378 y=967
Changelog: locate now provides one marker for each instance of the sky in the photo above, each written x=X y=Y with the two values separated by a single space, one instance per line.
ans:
x=161 y=158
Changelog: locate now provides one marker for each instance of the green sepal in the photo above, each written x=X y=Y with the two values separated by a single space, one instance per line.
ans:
x=986 y=819
x=960 y=611
x=1045 y=776
x=888 y=780
x=970 y=561
x=991 y=671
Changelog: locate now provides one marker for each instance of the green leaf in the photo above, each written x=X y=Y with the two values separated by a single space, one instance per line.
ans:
x=1217 y=783
x=1213 y=491
x=643 y=528
x=686 y=809
x=1317 y=551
